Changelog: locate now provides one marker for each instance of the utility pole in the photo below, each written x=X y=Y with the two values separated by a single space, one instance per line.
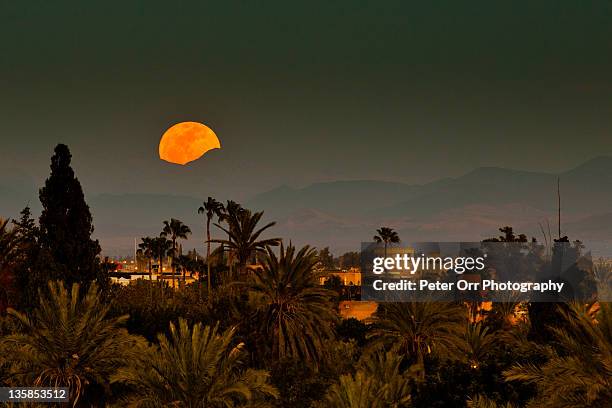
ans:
x=559 y=204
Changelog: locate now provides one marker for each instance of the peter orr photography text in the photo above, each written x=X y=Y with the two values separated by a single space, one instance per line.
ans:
x=464 y=285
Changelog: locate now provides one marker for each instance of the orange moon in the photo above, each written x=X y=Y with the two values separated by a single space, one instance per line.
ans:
x=187 y=141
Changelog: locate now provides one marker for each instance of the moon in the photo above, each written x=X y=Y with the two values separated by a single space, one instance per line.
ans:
x=187 y=141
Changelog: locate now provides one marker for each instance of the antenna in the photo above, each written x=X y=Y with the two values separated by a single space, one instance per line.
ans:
x=559 y=203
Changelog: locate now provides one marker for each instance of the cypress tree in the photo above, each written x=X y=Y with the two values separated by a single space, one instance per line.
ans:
x=66 y=224
x=31 y=270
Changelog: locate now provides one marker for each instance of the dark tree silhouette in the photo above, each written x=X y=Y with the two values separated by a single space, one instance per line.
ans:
x=9 y=250
x=175 y=229
x=66 y=224
x=147 y=248
x=509 y=236
x=243 y=233
x=161 y=247
x=350 y=260
x=230 y=211
x=31 y=267
x=210 y=207
x=387 y=236
x=326 y=258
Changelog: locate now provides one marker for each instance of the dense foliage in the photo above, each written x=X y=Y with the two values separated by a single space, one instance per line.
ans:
x=294 y=313
x=260 y=330
x=68 y=341
x=195 y=367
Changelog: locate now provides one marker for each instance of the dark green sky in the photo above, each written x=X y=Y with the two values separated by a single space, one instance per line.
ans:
x=324 y=90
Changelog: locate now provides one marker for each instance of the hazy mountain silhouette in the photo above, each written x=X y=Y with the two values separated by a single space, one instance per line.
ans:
x=341 y=214
x=469 y=207
x=345 y=197
x=485 y=185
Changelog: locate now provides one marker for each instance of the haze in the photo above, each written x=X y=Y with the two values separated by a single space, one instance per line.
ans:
x=304 y=93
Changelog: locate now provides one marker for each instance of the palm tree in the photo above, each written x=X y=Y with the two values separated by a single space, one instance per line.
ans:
x=504 y=311
x=418 y=329
x=196 y=367
x=188 y=264
x=211 y=207
x=232 y=209
x=578 y=372
x=478 y=342
x=175 y=229
x=379 y=382
x=161 y=247
x=480 y=401
x=355 y=391
x=69 y=341
x=243 y=236
x=147 y=247
x=387 y=236
x=294 y=312
x=603 y=277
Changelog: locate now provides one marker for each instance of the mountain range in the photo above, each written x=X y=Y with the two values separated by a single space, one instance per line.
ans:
x=341 y=214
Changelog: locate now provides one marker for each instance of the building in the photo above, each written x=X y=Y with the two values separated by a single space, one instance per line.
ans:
x=349 y=277
x=360 y=310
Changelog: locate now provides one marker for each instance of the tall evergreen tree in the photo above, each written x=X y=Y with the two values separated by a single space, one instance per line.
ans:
x=66 y=224
x=9 y=251
x=31 y=272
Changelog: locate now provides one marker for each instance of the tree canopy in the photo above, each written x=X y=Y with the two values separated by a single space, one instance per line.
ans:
x=66 y=223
